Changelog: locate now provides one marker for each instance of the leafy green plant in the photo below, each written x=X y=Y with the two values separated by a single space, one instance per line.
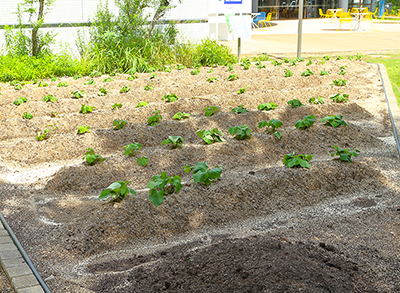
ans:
x=49 y=98
x=267 y=106
x=155 y=119
x=276 y=63
x=108 y=79
x=62 y=84
x=102 y=92
x=288 y=73
x=212 y=79
x=309 y=62
x=54 y=79
x=345 y=154
x=301 y=161
x=230 y=67
x=201 y=172
x=119 y=124
x=170 y=98
x=86 y=109
x=323 y=72
x=326 y=58
x=42 y=84
x=211 y=136
x=27 y=115
x=133 y=77
x=117 y=191
x=195 y=71
x=78 y=94
x=167 y=68
x=286 y=60
x=143 y=161
x=42 y=135
x=20 y=101
x=161 y=185
x=54 y=114
x=241 y=132
x=180 y=67
x=89 y=82
x=293 y=62
x=83 y=129
x=211 y=110
x=130 y=149
x=116 y=106
x=342 y=70
x=124 y=89
x=180 y=115
x=316 y=100
x=14 y=82
x=95 y=73
x=153 y=76
x=351 y=57
x=359 y=56
x=272 y=125
x=295 y=103
x=210 y=70
x=338 y=98
x=239 y=109
x=306 y=122
x=77 y=76
x=307 y=72
x=339 y=58
x=174 y=141
x=339 y=82
x=299 y=59
x=333 y=120
x=18 y=87
x=142 y=104
x=148 y=87
x=260 y=65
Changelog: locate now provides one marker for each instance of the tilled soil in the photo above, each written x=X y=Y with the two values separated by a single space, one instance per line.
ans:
x=256 y=229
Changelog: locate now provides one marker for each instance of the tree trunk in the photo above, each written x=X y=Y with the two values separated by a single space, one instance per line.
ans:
x=162 y=8
x=35 y=44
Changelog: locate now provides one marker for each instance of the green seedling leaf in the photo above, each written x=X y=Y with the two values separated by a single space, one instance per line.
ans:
x=276 y=63
x=316 y=101
x=108 y=79
x=78 y=94
x=170 y=98
x=124 y=89
x=26 y=115
x=230 y=67
x=95 y=73
x=180 y=67
x=306 y=122
x=210 y=136
x=102 y=92
x=240 y=132
x=288 y=73
x=211 y=110
x=339 y=58
x=180 y=115
x=20 y=101
x=272 y=125
x=92 y=158
x=86 y=109
x=117 y=191
x=83 y=129
x=295 y=103
x=195 y=71
x=148 y=87
x=212 y=79
x=323 y=72
x=133 y=77
x=62 y=84
x=155 y=119
x=161 y=185
x=119 y=124
x=42 y=135
x=153 y=76
x=143 y=161
x=210 y=70
x=266 y=106
x=309 y=62
x=293 y=62
x=338 y=98
x=89 y=82
x=142 y=104
x=49 y=98
x=300 y=161
x=339 y=82
x=307 y=72
x=333 y=120
x=42 y=84
x=77 y=76
x=345 y=154
x=201 y=173
x=130 y=149
x=116 y=106
x=239 y=109
x=174 y=141
x=326 y=58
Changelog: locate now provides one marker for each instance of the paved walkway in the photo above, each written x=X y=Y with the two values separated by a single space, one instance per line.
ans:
x=320 y=37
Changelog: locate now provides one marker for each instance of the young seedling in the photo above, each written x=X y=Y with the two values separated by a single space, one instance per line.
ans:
x=333 y=120
x=83 y=129
x=180 y=67
x=116 y=106
x=210 y=136
x=246 y=64
x=309 y=62
x=295 y=103
x=124 y=89
x=306 y=122
x=326 y=58
x=27 y=115
x=286 y=60
x=339 y=58
x=338 y=98
x=239 y=109
x=89 y=82
x=359 y=56
x=195 y=71
x=345 y=154
x=86 y=109
x=288 y=73
x=316 y=100
x=49 y=98
x=230 y=67
x=92 y=158
x=153 y=76
x=20 y=101
x=149 y=87
x=161 y=185
x=170 y=98
x=212 y=79
x=241 y=132
x=102 y=92
x=119 y=124
x=143 y=161
x=77 y=76
x=276 y=63
x=266 y=106
x=133 y=77
x=95 y=73
x=307 y=72
x=210 y=70
x=339 y=82
x=155 y=119
x=300 y=161
x=174 y=141
x=117 y=191
x=167 y=68
x=130 y=149
x=323 y=72
x=211 y=110
x=351 y=57
x=42 y=84
x=201 y=173
x=259 y=66
x=41 y=135
x=342 y=70
x=54 y=114
x=78 y=94
x=299 y=59
x=180 y=115
x=62 y=84
x=272 y=125
x=108 y=79
x=293 y=62
x=15 y=82
x=18 y=87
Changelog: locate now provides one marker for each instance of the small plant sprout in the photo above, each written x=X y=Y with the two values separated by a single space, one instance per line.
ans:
x=119 y=124
x=239 y=110
x=333 y=120
x=124 y=89
x=212 y=79
x=161 y=185
x=86 y=109
x=326 y=58
x=211 y=136
x=293 y=62
x=323 y=72
x=42 y=135
x=62 y=84
x=201 y=173
x=345 y=154
x=260 y=65
x=117 y=191
x=116 y=106
x=26 y=115
x=286 y=60
x=276 y=63
x=54 y=79
x=307 y=72
x=316 y=100
x=266 y=106
x=153 y=76
x=230 y=67
x=102 y=92
x=339 y=58
x=173 y=141
x=155 y=119
x=83 y=129
x=295 y=103
x=338 y=98
x=342 y=70
x=195 y=71
x=309 y=62
x=14 y=82
x=149 y=87
x=246 y=64
x=133 y=77
x=288 y=73
x=78 y=94
x=210 y=70
x=77 y=76
x=20 y=101
x=170 y=98
x=54 y=114
x=242 y=90
x=108 y=79
x=180 y=67
x=272 y=125
x=92 y=158
x=49 y=98
x=142 y=104
x=142 y=161
x=359 y=56
x=180 y=115
x=95 y=73
x=211 y=110
x=42 y=84
x=240 y=132
x=89 y=82
x=300 y=161
x=339 y=82
x=130 y=149
x=167 y=68
x=306 y=122
x=18 y=87
x=299 y=59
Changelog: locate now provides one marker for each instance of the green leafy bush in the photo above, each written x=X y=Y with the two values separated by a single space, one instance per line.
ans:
x=302 y=161
x=180 y=115
x=116 y=106
x=117 y=191
x=211 y=136
x=239 y=110
x=78 y=94
x=49 y=98
x=316 y=100
x=27 y=115
x=143 y=161
x=119 y=124
x=272 y=125
x=338 y=98
x=42 y=135
x=161 y=185
x=174 y=141
x=211 y=52
x=83 y=129
x=345 y=154
x=155 y=119
x=211 y=110
x=86 y=109
x=306 y=122
x=333 y=120
x=266 y=106
x=20 y=101
x=142 y=104
x=130 y=149
x=170 y=98
x=201 y=173
x=241 y=132
x=295 y=103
